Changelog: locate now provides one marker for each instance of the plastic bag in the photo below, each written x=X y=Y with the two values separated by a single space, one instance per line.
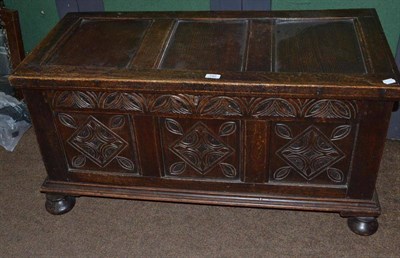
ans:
x=14 y=121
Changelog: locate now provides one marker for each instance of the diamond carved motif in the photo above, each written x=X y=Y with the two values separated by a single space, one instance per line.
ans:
x=310 y=153
x=201 y=149
x=97 y=142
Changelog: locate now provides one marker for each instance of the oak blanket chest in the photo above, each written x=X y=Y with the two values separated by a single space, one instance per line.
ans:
x=259 y=109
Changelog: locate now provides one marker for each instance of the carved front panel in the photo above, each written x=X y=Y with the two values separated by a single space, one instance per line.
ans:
x=202 y=149
x=311 y=153
x=98 y=142
x=207 y=143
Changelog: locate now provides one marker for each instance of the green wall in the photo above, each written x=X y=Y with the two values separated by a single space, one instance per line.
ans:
x=156 y=5
x=39 y=16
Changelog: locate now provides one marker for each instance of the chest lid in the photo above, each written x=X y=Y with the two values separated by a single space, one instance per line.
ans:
x=265 y=52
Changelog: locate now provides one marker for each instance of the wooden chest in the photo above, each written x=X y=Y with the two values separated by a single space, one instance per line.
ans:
x=260 y=109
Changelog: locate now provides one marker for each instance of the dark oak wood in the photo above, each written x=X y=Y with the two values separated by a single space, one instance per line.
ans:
x=123 y=108
x=11 y=26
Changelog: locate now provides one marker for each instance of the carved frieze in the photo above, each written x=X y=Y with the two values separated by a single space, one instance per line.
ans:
x=221 y=106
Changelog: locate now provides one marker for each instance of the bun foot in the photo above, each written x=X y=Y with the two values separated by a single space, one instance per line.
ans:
x=59 y=204
x=363 y=226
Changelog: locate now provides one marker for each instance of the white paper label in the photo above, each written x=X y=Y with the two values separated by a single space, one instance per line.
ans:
x=389 y=81
x=212 y=76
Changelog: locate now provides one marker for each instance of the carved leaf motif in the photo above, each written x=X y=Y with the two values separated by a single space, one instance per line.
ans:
x=125 y=163
x=67 y=120
x=76 y=99
x=193 y=158
x=117 y=121
x=107 y=152
x=64 y=99
x=225 y=106
x=335 y=175
x=274 y=107
x=228 y=169
x=341 y=109
x=340 y=132
x=283 y=131
x=124 y=101
x=79 y=161
x=172 y=104
x=227 y=128
x=173 y=126
x=84 y=100
x=177 y=168
x=330 y=109
x=281 y=173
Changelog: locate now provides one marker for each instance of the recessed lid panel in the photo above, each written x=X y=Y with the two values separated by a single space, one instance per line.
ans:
x=317 y=46
x=101 y=43
x=206 y=45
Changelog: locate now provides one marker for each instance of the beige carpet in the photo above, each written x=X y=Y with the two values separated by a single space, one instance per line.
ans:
x=120 y=228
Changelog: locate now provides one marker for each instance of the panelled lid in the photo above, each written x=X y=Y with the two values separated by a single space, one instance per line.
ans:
x=301 y=53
